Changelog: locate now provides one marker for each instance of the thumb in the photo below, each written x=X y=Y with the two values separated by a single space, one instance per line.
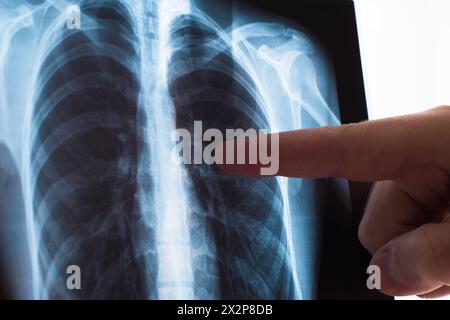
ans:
x=417 y=262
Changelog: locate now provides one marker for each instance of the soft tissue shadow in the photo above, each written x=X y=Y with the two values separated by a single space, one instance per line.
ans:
x=15 y=262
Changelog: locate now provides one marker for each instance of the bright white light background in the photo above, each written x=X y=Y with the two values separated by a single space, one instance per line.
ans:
x=405 y=47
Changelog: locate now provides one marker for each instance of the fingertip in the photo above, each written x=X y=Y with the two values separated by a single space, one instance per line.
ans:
x=389 y=282
x=406 y=265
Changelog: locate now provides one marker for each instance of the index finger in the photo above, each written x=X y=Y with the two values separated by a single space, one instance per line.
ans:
x=368 y=151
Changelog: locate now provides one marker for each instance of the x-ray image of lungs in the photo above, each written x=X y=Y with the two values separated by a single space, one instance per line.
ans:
x=92 y=205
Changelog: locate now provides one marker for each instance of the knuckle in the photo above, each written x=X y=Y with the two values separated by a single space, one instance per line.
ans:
x=339 y=139
x=367 y=229
x=444 y=109
x=364 y=235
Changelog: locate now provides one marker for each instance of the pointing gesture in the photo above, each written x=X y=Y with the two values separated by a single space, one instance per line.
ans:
x=406 y=224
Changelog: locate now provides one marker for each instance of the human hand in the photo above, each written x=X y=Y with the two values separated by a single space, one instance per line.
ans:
x=406 y=224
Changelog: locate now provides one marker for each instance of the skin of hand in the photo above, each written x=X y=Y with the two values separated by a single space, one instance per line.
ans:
x=406 y=224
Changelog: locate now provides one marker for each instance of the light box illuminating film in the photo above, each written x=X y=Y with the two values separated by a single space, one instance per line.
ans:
x=93 y=204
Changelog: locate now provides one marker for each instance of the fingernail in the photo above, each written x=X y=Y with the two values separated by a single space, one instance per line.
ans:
x=392 y=280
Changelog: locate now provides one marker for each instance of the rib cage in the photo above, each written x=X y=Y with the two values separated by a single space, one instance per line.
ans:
x=86 y=146
x=239 y=218
x=89 y=115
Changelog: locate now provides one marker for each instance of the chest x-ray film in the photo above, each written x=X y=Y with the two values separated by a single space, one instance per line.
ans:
x=92 y=205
